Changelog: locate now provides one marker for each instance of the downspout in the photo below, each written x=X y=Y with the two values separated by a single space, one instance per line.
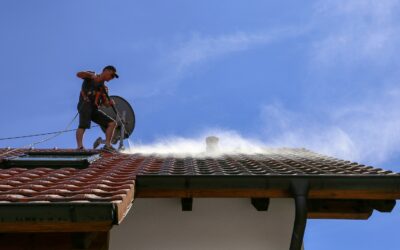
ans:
x=299 y=190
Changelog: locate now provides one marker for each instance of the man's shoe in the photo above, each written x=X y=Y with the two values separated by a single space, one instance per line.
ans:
x=97 y=142
x=110 y=149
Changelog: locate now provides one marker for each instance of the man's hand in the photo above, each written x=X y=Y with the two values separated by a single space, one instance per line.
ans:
x=109 y=103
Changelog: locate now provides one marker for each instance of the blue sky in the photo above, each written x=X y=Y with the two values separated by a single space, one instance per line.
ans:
x=318 y=74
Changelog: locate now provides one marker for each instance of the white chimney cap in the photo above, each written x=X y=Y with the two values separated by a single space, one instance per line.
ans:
x=212 y=144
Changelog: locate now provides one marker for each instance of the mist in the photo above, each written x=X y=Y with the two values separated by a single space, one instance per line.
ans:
x=230 y=142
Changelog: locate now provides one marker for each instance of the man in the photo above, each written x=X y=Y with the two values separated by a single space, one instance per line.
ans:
x=88 y=106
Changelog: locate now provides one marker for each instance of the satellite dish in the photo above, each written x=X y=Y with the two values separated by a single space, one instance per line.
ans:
x=125 y=118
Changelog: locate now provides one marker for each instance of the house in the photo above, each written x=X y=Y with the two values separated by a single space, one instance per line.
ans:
x=68 y=199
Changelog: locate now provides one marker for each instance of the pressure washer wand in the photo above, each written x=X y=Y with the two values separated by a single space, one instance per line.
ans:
x=121 y=120
x=111 y=101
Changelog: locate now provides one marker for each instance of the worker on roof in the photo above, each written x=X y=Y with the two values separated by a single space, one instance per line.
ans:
x=90 y=98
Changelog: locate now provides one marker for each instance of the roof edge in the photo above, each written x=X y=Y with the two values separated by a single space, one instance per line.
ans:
x=387 y=188
x=60 y=217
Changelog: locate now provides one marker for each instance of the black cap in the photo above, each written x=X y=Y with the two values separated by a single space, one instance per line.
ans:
x=110 y=67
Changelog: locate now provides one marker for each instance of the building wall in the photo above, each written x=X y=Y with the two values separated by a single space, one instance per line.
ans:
x=214 y=223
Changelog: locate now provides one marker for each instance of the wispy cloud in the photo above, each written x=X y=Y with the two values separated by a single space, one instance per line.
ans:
x=341 y=33
x=285 y=128
x=368 y=132
x=178 y=59
x=354 y=31
x=201 y=48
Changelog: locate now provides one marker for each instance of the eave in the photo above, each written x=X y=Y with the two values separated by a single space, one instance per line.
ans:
x=329 y=196
x=57 y=217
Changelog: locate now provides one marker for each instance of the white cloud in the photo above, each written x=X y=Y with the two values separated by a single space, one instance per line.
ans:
x=176 y=61
x=201 y=48
x=341 y=32
x=353 y=31
x=350 y=34
x=368 y=132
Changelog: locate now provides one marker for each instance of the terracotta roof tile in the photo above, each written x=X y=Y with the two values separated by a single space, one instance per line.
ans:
x=287 y=162
x=105 y=180
x=112 y=177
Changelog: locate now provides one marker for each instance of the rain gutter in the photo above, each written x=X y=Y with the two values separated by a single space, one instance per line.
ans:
x=54 y=212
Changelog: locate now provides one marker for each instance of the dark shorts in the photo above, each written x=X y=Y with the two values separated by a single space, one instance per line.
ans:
x=88 y=113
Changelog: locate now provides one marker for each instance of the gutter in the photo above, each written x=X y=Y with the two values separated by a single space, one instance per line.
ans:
x=53 y=216
x=282 y=182
x=300 y=192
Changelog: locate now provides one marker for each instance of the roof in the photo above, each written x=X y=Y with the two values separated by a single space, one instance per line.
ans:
x=99 y=195
x=109 y=184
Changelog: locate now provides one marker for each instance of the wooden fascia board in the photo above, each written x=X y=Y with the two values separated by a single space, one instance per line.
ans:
x=339 y=215
x=346 y=209
x=124 y=206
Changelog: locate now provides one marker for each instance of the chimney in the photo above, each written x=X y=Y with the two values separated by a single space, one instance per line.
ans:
x=212 y=144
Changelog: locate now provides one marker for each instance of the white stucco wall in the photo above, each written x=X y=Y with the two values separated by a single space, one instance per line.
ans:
x=214 y=223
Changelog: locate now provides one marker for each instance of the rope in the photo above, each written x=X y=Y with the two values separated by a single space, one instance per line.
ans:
x=36 y=135
x=56 y=134
x=53 y=135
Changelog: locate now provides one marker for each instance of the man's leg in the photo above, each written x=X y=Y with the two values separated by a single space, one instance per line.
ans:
x=79 y=137
x=107 y=122
x=110 y=131
x=85 y=113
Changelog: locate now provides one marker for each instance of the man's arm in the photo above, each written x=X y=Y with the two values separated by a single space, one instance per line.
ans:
x=86 y=75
